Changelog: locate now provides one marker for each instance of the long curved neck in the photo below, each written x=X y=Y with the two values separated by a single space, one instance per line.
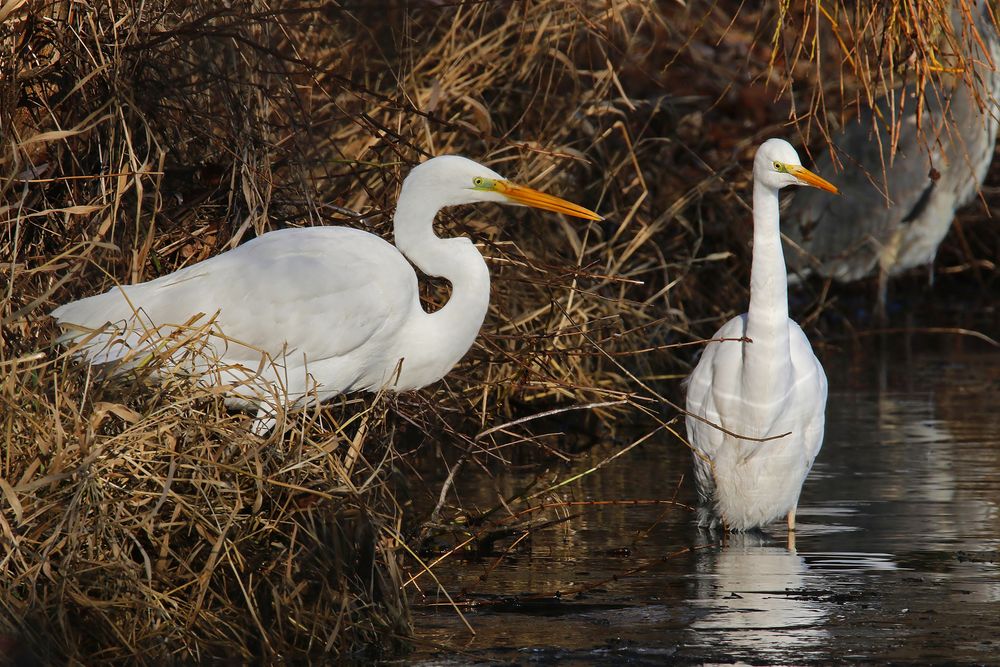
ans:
x=441 y=338
x=767 y=317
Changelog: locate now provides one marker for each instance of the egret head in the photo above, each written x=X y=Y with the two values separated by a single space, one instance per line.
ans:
x=777 y=165
x=452 y=180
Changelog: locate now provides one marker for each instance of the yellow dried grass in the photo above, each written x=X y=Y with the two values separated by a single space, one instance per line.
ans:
x=141 y=522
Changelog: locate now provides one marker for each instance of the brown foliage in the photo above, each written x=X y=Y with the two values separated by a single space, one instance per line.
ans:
x=142 y=522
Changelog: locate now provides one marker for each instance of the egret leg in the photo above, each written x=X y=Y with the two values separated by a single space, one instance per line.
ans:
x=881 y=312
x=887 y=259
x=791 y=520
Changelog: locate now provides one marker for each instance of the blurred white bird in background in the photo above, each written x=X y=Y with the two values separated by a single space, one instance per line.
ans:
x=297 y=315
x=768 y=392
x=899 y=205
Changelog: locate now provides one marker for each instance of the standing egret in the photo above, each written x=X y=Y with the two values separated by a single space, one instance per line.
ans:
x=899 y=204
x=761 y=383
x=298 y=315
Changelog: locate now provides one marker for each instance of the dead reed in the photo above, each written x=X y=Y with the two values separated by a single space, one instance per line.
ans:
x=141 y=522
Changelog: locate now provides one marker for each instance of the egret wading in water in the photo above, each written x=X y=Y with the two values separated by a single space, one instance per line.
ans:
x=899 y=201
x=297 y=315
x=767 y=392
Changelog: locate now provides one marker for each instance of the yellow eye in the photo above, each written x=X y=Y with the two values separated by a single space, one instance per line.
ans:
x=778 y=166
x=478 y=182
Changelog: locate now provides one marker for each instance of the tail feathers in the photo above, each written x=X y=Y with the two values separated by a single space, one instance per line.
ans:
x=104 y=328
x=95 y=311
x=113 y=328
x=102 y=345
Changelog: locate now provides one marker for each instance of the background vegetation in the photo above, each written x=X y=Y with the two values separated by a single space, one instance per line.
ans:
x=142 y=522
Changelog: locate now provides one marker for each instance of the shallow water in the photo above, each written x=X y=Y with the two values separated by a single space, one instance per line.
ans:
x=896 y=556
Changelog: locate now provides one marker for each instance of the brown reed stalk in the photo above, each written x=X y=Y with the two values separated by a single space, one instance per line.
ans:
x=139 y=521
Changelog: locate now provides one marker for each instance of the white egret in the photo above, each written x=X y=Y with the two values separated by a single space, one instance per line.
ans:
x=767 y=391
x=937 y=166
x=297 y=315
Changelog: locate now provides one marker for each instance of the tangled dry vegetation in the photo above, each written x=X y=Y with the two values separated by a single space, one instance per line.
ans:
x=142 y=522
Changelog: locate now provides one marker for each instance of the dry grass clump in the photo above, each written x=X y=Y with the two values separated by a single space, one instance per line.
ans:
x=846 y=56
x=149 y=526
x=142 y=522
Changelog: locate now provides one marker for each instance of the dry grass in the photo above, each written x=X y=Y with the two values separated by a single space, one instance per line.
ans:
x=848 y=56
x=141 y=522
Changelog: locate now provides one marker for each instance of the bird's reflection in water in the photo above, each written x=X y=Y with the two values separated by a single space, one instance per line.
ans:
x=754 y=590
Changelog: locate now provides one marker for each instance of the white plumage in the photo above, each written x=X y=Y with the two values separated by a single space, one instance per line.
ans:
x=305 y=314
x=769 y=386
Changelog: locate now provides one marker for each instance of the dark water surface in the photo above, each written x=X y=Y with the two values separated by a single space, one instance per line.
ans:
x=896 y=556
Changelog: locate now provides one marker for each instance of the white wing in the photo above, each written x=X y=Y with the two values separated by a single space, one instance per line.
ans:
x=746 y=482
x=320 y=292
x=811 y=392
x=718 y=370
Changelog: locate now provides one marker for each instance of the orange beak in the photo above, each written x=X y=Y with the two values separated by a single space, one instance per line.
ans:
x=809 y=178
x=528 y=197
